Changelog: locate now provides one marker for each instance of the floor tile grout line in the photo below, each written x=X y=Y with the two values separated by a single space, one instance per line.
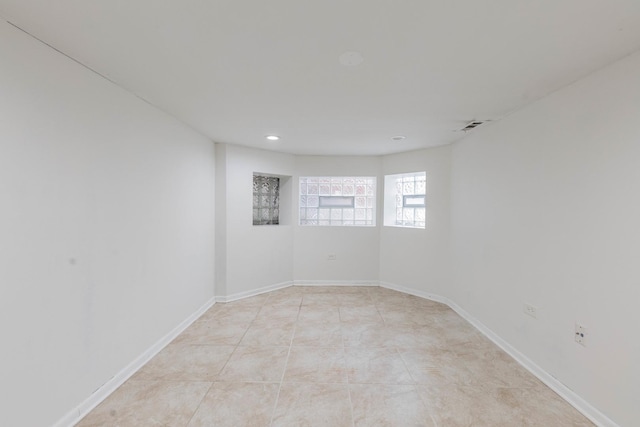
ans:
x=284 y=369
x=200 y=403
x=235 y=347
x=353 y=420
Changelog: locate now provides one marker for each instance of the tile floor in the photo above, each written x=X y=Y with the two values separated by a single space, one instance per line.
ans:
x=332 y=356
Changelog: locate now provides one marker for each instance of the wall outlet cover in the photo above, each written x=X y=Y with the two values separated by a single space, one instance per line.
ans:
x=580 y=334
x=530 y=310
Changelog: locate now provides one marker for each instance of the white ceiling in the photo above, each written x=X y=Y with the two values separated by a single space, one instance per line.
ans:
x=239 y=70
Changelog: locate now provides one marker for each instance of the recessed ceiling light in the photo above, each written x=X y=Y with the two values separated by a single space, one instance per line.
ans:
x=272 y=137
x=398 y=138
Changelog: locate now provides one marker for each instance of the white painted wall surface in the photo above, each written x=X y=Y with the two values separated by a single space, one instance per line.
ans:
x=106 y=229
x=356 y=248
x=262 y=255
x=546 y=210
x=419 y=258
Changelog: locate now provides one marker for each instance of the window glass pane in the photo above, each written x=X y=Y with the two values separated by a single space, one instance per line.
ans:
x=337 y=200
x=266 y=209
x=405 y=200
x=413 y=201
x=312 y=201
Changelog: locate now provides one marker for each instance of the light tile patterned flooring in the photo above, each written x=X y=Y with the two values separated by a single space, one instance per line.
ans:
x=332 y=356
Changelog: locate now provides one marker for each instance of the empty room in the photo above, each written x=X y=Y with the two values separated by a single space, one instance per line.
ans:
x=330 y=213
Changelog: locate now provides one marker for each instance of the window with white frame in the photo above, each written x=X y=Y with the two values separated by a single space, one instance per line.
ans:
x=405 y=200
x=340 y=201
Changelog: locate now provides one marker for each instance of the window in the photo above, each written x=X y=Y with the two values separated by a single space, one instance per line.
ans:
x=266 y=200
x=405 y=200
x=349 y=200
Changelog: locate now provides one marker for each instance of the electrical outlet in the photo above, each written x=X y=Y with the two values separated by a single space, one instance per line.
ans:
x=331 y=257
x=530 y=310
x=581 y=335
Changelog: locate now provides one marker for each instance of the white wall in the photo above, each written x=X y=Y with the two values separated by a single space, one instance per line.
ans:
x=415 y=258
x=106 y=230
x=546 y=210
x=252 y=257
x=356 y=248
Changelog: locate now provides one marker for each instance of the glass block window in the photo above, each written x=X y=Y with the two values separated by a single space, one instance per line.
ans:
x=405 y=200
x=338 y=200
x=266 y=204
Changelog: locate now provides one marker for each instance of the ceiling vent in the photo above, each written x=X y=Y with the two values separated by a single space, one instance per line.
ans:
x=471 y=125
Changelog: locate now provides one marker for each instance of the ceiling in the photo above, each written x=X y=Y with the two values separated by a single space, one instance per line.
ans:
x=239 y=70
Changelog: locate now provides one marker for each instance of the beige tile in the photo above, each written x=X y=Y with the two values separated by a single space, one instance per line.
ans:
x=376 y=366
x=211 y=333
x=319 y=365
x=340 y=344
x=360 y=313
x=398 y=315
x=318 y=335
x=465 y=367
x=461 y=335
x=388 y=405
x=492 y=367
x=236 y=405
x=254 y=301
x=435 y=367
x=186 y=363
x=536 y=407
x=255 y=364
x=286 y=299
x=450 y=319
x=461 y=406
x=232 y=313
x=454 y=406
x=319 y=314
x=148 y=403
x=319 y=299
x=270 y=313
x=355 y=299
x=412 y=336
x=313 y=405
x=370 y=335
x=273 y=333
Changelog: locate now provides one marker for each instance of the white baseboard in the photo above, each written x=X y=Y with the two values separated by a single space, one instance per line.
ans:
x=554 y=384
x=254 y=292
x=75 y=415
x=335 y=283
